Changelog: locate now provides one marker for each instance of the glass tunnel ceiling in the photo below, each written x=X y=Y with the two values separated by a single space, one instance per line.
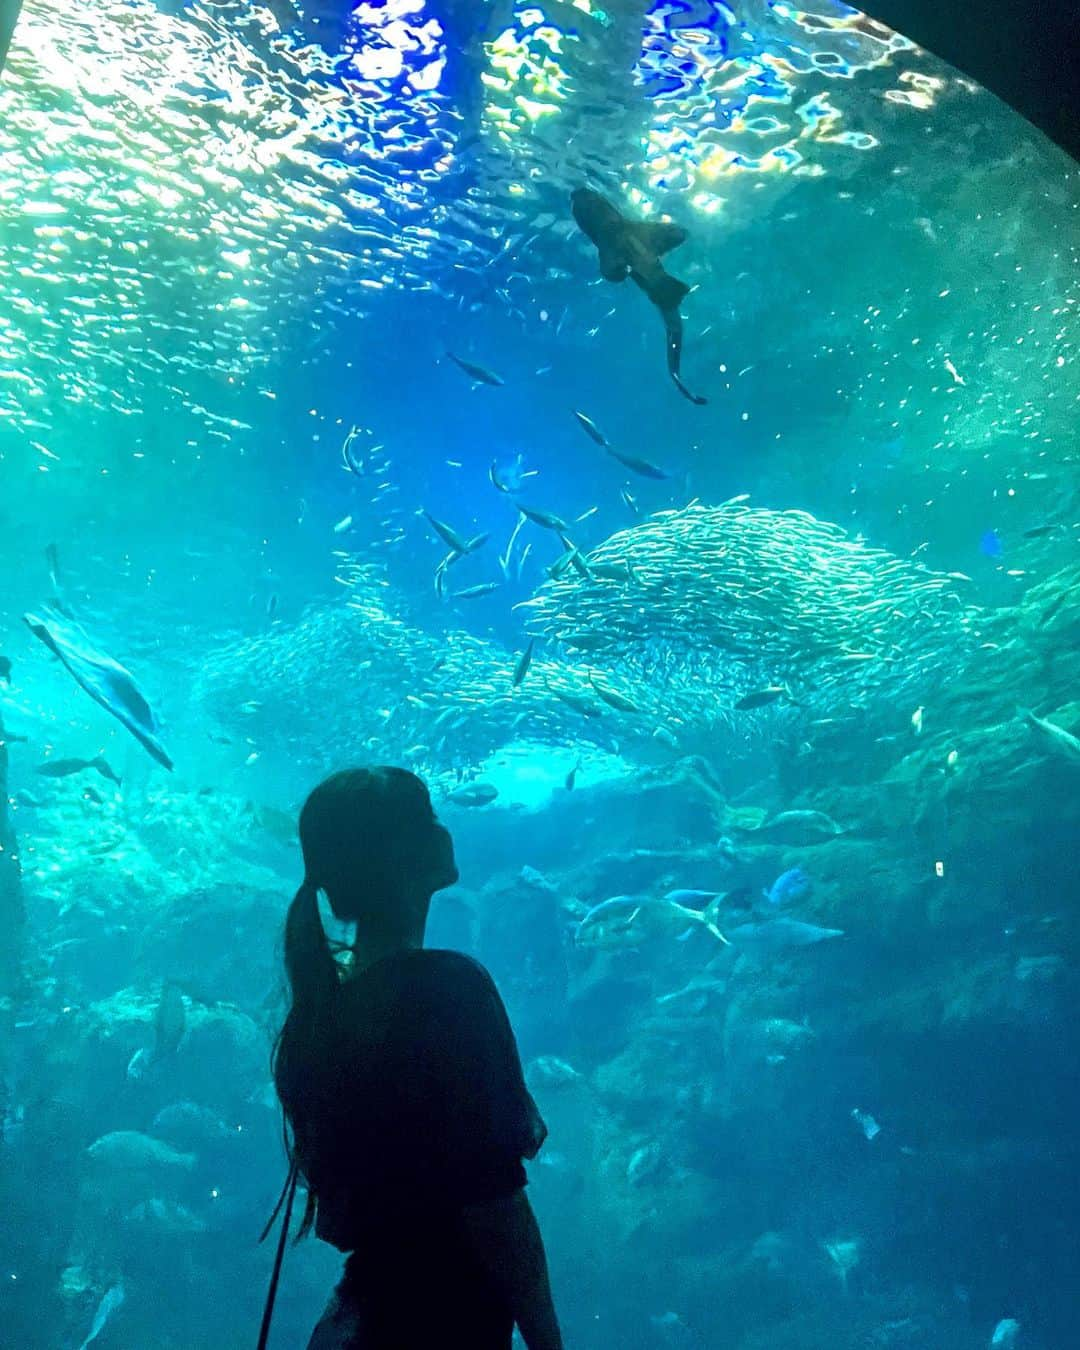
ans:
x=177 y=173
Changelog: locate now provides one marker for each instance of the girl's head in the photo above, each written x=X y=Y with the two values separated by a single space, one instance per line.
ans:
x=371 y=841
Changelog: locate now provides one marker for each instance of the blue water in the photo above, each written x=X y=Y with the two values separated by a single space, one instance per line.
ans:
x=232 y=234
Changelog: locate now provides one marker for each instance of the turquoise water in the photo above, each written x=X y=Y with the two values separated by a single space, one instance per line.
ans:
x=232 y=236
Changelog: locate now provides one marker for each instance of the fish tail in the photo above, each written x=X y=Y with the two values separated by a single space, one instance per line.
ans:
x=696 y=399
x=709 y=917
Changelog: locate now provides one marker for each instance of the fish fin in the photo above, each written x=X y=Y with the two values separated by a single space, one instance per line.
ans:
x=709 y=917
x=673 y=329
x=685 y=937
x=661 y=236
x=613 y=264
x=696 y=399
x=667 y=292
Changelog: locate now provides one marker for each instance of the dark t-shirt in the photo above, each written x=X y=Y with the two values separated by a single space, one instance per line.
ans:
x=429 y=1114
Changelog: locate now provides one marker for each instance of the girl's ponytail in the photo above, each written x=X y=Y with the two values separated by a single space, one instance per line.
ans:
x=309 y=962
x=306 y=1041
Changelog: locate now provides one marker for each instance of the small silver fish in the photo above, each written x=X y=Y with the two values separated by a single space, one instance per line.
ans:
x=474 y=592
x=524 y=661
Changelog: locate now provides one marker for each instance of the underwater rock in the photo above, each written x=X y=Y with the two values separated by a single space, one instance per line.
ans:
x=763 y=1041
x=796 y=827
x=157 y=1218
x=662 y=808
x=519 y=937
x=185 y=941
x=223 y=1060
x=996 y=991
x=602 y=1008
x=639 y=1082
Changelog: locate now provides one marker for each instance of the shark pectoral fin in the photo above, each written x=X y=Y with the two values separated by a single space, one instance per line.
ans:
x=613 y=265
x=661 y=236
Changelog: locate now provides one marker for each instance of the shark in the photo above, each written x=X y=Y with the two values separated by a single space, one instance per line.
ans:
x=633 y=248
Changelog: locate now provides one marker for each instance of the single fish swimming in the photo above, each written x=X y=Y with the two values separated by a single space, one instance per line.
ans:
x=350 y=459
x=644 y=468
x=761 y=698
x=778 y=935
x=105 y=680
x=474 y=592
x=110 y=1301
x=170 y=1023
x=544 y=519
x=63 y=768
x=523 y=663
x=613 y=698
x=1055 y=738
x=473 y=794
x=630 y=248
x=476 y=372
x=789 y=888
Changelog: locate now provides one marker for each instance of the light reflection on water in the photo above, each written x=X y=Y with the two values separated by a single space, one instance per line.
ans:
x=178 y=178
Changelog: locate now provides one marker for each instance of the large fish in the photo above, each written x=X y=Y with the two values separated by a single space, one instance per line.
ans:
x=473 y=794
x=170 y=1023
x=629 y=921
x=1057 y=740
x=63 y=768
x=778 y=935
x=105 y=680
x=110 y=1301
x=632 y=248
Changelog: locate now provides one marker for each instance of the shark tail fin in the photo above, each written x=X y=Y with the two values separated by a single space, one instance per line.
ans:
x=662 y=236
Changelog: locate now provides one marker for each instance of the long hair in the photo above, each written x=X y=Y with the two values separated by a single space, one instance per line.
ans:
x=362 y=831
